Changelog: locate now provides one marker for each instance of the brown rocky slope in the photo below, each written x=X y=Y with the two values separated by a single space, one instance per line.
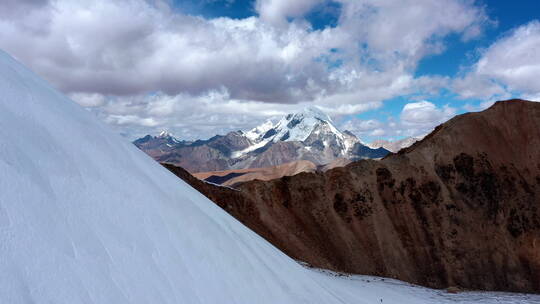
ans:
x=459 y=208
x=233 y=177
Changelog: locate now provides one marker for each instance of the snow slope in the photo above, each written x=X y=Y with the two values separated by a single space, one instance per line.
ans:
x=93 y=219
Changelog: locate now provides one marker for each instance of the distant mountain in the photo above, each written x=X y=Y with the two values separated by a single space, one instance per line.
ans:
x=306 y=135
x=160 y=144
x=395 y=146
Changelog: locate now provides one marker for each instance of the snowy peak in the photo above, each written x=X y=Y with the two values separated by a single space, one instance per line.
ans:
x=164 y=134
x=310 y=126
x=258 y=132
x=293 y=127
x=167 y=136
x=308 y=134
x=299 y=126
x=310 y=112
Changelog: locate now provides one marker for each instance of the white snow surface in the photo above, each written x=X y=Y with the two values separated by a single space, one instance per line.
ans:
x=256 y=133
x=166 y=135
x=308 y=119
x=86 y=217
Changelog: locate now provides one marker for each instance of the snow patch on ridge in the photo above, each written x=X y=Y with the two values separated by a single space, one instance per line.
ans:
x=298 y=126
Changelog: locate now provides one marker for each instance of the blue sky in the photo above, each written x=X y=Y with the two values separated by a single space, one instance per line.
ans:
x=506 y=16
x=458 y=54
x=382 y=69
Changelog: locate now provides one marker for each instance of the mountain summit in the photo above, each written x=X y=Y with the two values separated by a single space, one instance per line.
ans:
x=305 y=135
x=310 y=126
x=297 y=126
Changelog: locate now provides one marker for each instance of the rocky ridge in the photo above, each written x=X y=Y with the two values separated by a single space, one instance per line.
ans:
x=308 y=135
x=458 y=208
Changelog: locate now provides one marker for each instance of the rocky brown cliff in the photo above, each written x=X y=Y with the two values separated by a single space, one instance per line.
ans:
x=459 y=208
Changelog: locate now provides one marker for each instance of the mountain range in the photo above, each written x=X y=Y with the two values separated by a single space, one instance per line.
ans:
x=308 y=135
x=458 y=208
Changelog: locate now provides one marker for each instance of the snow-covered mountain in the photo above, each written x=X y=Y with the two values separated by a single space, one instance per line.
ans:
x=164 y=141
x=310 y=126
x=306 y=135
x=94 y=220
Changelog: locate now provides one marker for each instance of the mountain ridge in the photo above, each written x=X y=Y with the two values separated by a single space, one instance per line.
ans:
x=305 y=135
x=460 y=207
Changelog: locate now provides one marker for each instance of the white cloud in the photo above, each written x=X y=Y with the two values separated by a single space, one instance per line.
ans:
x=357 y=125
x=508 y=67
x=532 y=97
x=347 y=109
x=425 y=114
x=142 y=65
x=89 y=100
x=194 y=117
x=514 y=60
x=277 y=11
x=378 y=133
x=416 y=119
x=405 y=31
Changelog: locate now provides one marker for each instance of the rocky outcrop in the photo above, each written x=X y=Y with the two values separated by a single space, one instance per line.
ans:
x=459 y=208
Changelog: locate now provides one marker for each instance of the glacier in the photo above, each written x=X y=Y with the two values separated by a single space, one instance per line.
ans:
x=86 y=217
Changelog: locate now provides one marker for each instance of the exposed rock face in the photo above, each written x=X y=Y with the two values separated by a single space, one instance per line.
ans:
x=307 y=135
x=197 y=156
x=459 y=208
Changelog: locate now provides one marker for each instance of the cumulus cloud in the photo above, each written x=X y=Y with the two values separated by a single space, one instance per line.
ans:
x=30 y=16
x=132 y=47
x=514 y=60
x=408 y=30
x=144 y=65
x=361 y=126
x=425 y=113
x=277 y=11
x=89 y=100
x=508 y=67
x=195 y=117
x=415 y=119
